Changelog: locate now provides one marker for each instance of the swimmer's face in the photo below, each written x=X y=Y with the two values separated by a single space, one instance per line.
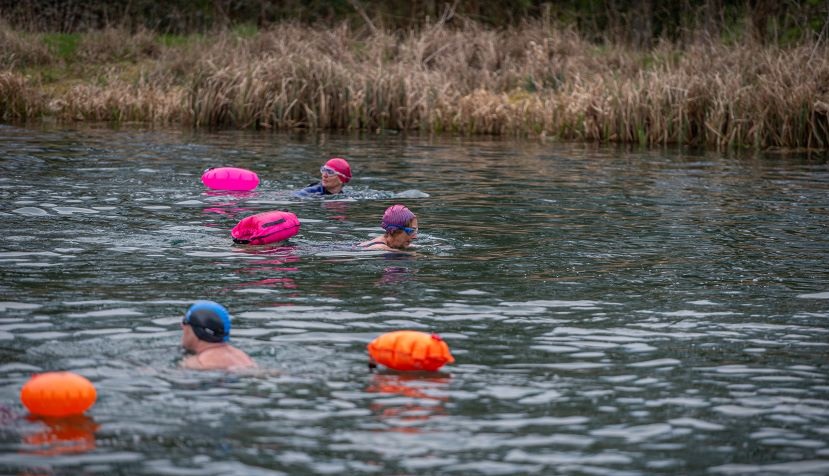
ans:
x=188 y=337
x=400 y=239
x=331 y=181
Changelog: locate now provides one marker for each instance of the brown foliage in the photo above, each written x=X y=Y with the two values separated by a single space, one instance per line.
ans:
x=530 y=80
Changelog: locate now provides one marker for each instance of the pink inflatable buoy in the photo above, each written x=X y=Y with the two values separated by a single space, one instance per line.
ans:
x=230 y=178
x=264 y=228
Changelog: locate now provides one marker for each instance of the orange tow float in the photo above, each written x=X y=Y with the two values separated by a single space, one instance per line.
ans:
x=58 y=394
x=410 y=350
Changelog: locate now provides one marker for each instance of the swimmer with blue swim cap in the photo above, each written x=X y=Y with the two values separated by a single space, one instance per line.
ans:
x=205 y=332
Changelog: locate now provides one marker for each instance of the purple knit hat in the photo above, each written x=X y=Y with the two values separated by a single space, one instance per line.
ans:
x=396 y=216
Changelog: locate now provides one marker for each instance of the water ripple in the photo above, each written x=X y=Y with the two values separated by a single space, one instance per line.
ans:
x=611 y=311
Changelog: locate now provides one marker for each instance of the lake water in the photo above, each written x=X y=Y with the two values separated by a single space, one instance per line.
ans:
x=611 y=310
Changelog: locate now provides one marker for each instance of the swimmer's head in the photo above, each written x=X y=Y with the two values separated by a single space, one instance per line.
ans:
x=397 y=217
x=340 y=168
x=400 y=225
x=209 y=320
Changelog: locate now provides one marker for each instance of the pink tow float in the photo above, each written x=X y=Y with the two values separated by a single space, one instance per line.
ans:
x=230 y=178
x=264 y=228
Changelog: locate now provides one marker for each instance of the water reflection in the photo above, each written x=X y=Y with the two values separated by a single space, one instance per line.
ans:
x=337 y=208
x=394 y=275
x=409 y=401
x=278 y=260
x=53 y=436
x=228 y=203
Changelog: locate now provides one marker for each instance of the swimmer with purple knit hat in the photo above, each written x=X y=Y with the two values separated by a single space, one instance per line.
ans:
x=205 y=330
x=401 y=228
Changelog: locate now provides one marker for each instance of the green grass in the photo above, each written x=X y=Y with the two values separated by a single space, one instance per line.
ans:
x=62 y=44
x=47 y=74
x=245 y=30
x=172 y=41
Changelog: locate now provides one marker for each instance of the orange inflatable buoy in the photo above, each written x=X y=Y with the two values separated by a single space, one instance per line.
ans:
x=58 y=394
x=410 y=350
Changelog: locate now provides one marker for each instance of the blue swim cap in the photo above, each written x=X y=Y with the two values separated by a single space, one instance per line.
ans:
x=210 y=321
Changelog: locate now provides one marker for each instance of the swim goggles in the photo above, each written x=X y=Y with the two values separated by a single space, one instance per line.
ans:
x=329 y=171
x=409 y=231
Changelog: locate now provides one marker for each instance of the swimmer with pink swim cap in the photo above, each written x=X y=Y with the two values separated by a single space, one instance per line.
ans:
x=401 y=228
x=335 y=174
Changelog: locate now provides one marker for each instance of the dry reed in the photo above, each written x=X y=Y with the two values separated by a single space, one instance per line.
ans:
x=19 y=101
x=18 y=49
x=531 y=81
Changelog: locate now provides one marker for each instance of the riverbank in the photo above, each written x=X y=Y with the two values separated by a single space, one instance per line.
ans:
x=534 y=80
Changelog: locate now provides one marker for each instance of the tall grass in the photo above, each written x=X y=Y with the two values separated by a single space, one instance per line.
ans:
x=532 y=80
x=18 y=100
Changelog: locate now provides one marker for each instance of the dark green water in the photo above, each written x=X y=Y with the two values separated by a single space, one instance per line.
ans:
x=612 y=311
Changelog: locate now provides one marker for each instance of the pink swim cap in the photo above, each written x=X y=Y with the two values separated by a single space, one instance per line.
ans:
x=341 y=167
x=396 y=216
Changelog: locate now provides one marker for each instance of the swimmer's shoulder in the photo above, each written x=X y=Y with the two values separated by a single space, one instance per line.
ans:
x=191 y=362
x=312 y=189
x=219 y=358
x=374 y=245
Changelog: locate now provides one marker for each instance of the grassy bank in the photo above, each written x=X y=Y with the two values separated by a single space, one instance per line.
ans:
x=533 y=80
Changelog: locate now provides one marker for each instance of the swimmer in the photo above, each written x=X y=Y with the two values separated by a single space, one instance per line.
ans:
x=401 y=228
x=335 y=174
x=205 y=332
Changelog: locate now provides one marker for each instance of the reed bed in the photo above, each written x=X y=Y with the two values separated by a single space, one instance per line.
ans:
x=535 y=80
